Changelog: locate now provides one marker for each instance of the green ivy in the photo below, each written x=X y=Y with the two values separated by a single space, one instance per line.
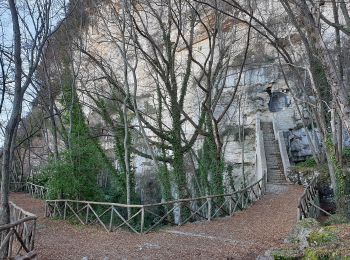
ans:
x=339 y=174
x=75 y=175
x=210 y=166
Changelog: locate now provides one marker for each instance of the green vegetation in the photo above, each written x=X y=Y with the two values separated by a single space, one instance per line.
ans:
x=309 y=166
x=321 y=237
x=75 y=175
x=340 y=191
x=308 y=163
x=290 y=253
x=346 y=156
x=211 y=166
x=330 y=242
x=336 y=219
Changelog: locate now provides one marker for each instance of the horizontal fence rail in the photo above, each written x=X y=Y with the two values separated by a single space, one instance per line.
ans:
x=17 y=238
x=145 y=218
x=307 y=207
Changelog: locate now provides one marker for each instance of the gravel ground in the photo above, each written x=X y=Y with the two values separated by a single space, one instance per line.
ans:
x=244 y=236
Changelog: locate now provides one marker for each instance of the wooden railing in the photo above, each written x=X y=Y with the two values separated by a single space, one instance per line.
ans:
x=145 y=218
x=307 y=204
x=17 y=238
x=36 y=191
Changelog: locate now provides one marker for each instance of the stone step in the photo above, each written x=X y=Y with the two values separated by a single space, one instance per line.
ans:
x=275 y=171
x=271 y=170
x=276 y=178
x=272 y=154
x=268 y=145
x=271 y=144
x=269 y=138
x=274 y=160
x=265 y=129
x=274 y=165
x=275 y=174
x=277 y=181
x=272 y=150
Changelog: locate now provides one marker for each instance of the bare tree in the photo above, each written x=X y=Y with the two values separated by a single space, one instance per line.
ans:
x=32 y=25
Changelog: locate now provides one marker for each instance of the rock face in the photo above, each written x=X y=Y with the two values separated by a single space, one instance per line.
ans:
x=299 y=146
x=309 y=240
x=261 y=89
x=301 y=231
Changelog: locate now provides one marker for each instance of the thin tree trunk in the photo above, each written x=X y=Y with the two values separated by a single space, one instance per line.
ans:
x=11 y=128
x=340 y=140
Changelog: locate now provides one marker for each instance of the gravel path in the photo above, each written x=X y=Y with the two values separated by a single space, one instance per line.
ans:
x=244 y=236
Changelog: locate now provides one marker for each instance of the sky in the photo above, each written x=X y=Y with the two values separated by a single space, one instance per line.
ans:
x=28 y=26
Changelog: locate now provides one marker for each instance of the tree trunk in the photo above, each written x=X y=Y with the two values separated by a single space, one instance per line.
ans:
x=11 y=128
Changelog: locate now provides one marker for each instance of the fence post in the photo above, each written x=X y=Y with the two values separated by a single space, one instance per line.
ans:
x=33 y=235
x=87 y=215
x=209 y=209
x=65 y=210
x=111 y=219
x=142 y=219
x=242 y=199
x=54 y=209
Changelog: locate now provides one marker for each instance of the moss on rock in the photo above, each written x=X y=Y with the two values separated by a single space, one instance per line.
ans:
x=332 y=251
x=321 y=237
x=309 y=240
x=301 y=230
x=286 y=253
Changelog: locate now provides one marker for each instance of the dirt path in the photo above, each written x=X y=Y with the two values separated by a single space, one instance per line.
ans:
x=244 y=236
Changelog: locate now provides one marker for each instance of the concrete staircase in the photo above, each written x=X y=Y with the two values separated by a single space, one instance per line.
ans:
x=274 y=163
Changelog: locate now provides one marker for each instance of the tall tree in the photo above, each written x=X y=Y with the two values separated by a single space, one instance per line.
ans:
x=32 y=25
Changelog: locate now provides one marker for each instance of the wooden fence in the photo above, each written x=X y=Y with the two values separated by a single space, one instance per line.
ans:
x=17 y=238
x=145 y=218
x=36 y=191
x=307 y=204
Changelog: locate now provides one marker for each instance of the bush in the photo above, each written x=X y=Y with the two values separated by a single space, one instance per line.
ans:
x=308 y=163
x=336 y=219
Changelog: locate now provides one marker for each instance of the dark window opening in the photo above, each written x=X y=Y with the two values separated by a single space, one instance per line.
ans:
x=278 y=101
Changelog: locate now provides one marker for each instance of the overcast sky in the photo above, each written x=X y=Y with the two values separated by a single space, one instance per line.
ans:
x=6 y=43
